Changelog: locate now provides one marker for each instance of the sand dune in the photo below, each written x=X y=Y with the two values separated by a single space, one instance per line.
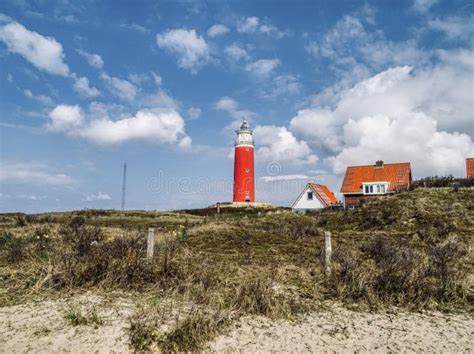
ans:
x=40 y=327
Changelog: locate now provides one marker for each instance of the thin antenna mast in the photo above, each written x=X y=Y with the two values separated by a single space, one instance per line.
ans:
x=123 y=185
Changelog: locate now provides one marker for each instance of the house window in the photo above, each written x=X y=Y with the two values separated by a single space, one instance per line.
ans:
x=375 y=188
x=310 y=195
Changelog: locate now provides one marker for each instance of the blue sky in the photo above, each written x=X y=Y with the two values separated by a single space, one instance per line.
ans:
x=161 y=85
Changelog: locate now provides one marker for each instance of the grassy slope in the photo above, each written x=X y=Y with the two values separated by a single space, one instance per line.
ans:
x=410 y=250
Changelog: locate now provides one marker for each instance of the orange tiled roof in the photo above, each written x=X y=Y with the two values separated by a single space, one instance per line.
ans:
x=397 y=174
x=326 y=196
x=470 y=167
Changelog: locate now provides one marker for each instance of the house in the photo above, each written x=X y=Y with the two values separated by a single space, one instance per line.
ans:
x=314 y=197
x=365 y=182
x=470 y=167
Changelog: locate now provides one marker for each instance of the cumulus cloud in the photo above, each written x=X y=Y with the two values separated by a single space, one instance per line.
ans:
x=217 y=30
x=34 y=173
x=149 y=125
x=413 y=137
x=64 y=118
x=248 y=25
x=226 y=104
x=262 y=68
x=99 y=196
x=153 y=125
x=191 y=49
x=399 y=114
x=94 y=60
x=43 y=52
x=279 y=144
x=119 y=87
x=236 y=52
x=83 y=87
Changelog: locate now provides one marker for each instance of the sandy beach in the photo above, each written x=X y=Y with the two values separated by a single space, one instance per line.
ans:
x=40 y=327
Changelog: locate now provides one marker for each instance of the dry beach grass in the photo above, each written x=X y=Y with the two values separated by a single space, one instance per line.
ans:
x=409 y=252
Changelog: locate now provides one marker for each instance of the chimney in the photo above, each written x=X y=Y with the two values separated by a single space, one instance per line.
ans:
x=379 y=164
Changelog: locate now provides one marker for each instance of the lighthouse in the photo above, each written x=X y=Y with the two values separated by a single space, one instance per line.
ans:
x=244 y=188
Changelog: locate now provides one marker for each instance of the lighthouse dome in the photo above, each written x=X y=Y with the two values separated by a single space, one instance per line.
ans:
x=244 y=134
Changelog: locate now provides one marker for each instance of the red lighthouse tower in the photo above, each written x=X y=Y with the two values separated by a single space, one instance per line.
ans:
x=244 y=188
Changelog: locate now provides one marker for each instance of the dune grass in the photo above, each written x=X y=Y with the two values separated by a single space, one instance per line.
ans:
x=412 y=250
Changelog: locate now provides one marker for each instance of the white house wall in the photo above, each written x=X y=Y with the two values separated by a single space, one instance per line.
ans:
x=303 y=203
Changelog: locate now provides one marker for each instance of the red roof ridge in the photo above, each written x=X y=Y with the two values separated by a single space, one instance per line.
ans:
x=385 y=164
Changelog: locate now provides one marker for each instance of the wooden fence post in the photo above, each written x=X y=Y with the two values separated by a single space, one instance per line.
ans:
x=327 y=251
x=150 y=243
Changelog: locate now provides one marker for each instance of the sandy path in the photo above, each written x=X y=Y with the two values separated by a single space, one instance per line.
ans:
x=341 y=330
x=41 y=328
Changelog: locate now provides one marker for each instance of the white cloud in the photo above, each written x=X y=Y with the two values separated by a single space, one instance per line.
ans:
x=185 y=143
x=236 y=52
x=43 y=52
x=159 y=126
x=253 y=24
x=119 y=87
x=280 y=145
x=43 y=99
x=217 y=30
x=279 y=178
x=399 y=114
x=262 y=68
x=194 y=113
x=83 y=87
x=231 y=107
x=98 y=196
x=423 y=6
x=152 y=125
x=65 y=118
x=191 y=49
x=226 y=104
x=413 y=137
x=248 y=25
x=348 y=44
x=157 y=78
x=282 y=85
x=94 y=60
x=134 y=26
x=160 y=99
x=455 y=28
x=34 y=173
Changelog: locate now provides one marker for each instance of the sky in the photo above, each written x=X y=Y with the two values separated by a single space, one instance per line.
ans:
x=86 y=86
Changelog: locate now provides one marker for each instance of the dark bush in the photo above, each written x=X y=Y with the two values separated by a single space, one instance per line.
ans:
x=80 y=238
x=88 y=259
x=41 y=239
x=13 y=248
x=383 y=271
x=21 y=220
